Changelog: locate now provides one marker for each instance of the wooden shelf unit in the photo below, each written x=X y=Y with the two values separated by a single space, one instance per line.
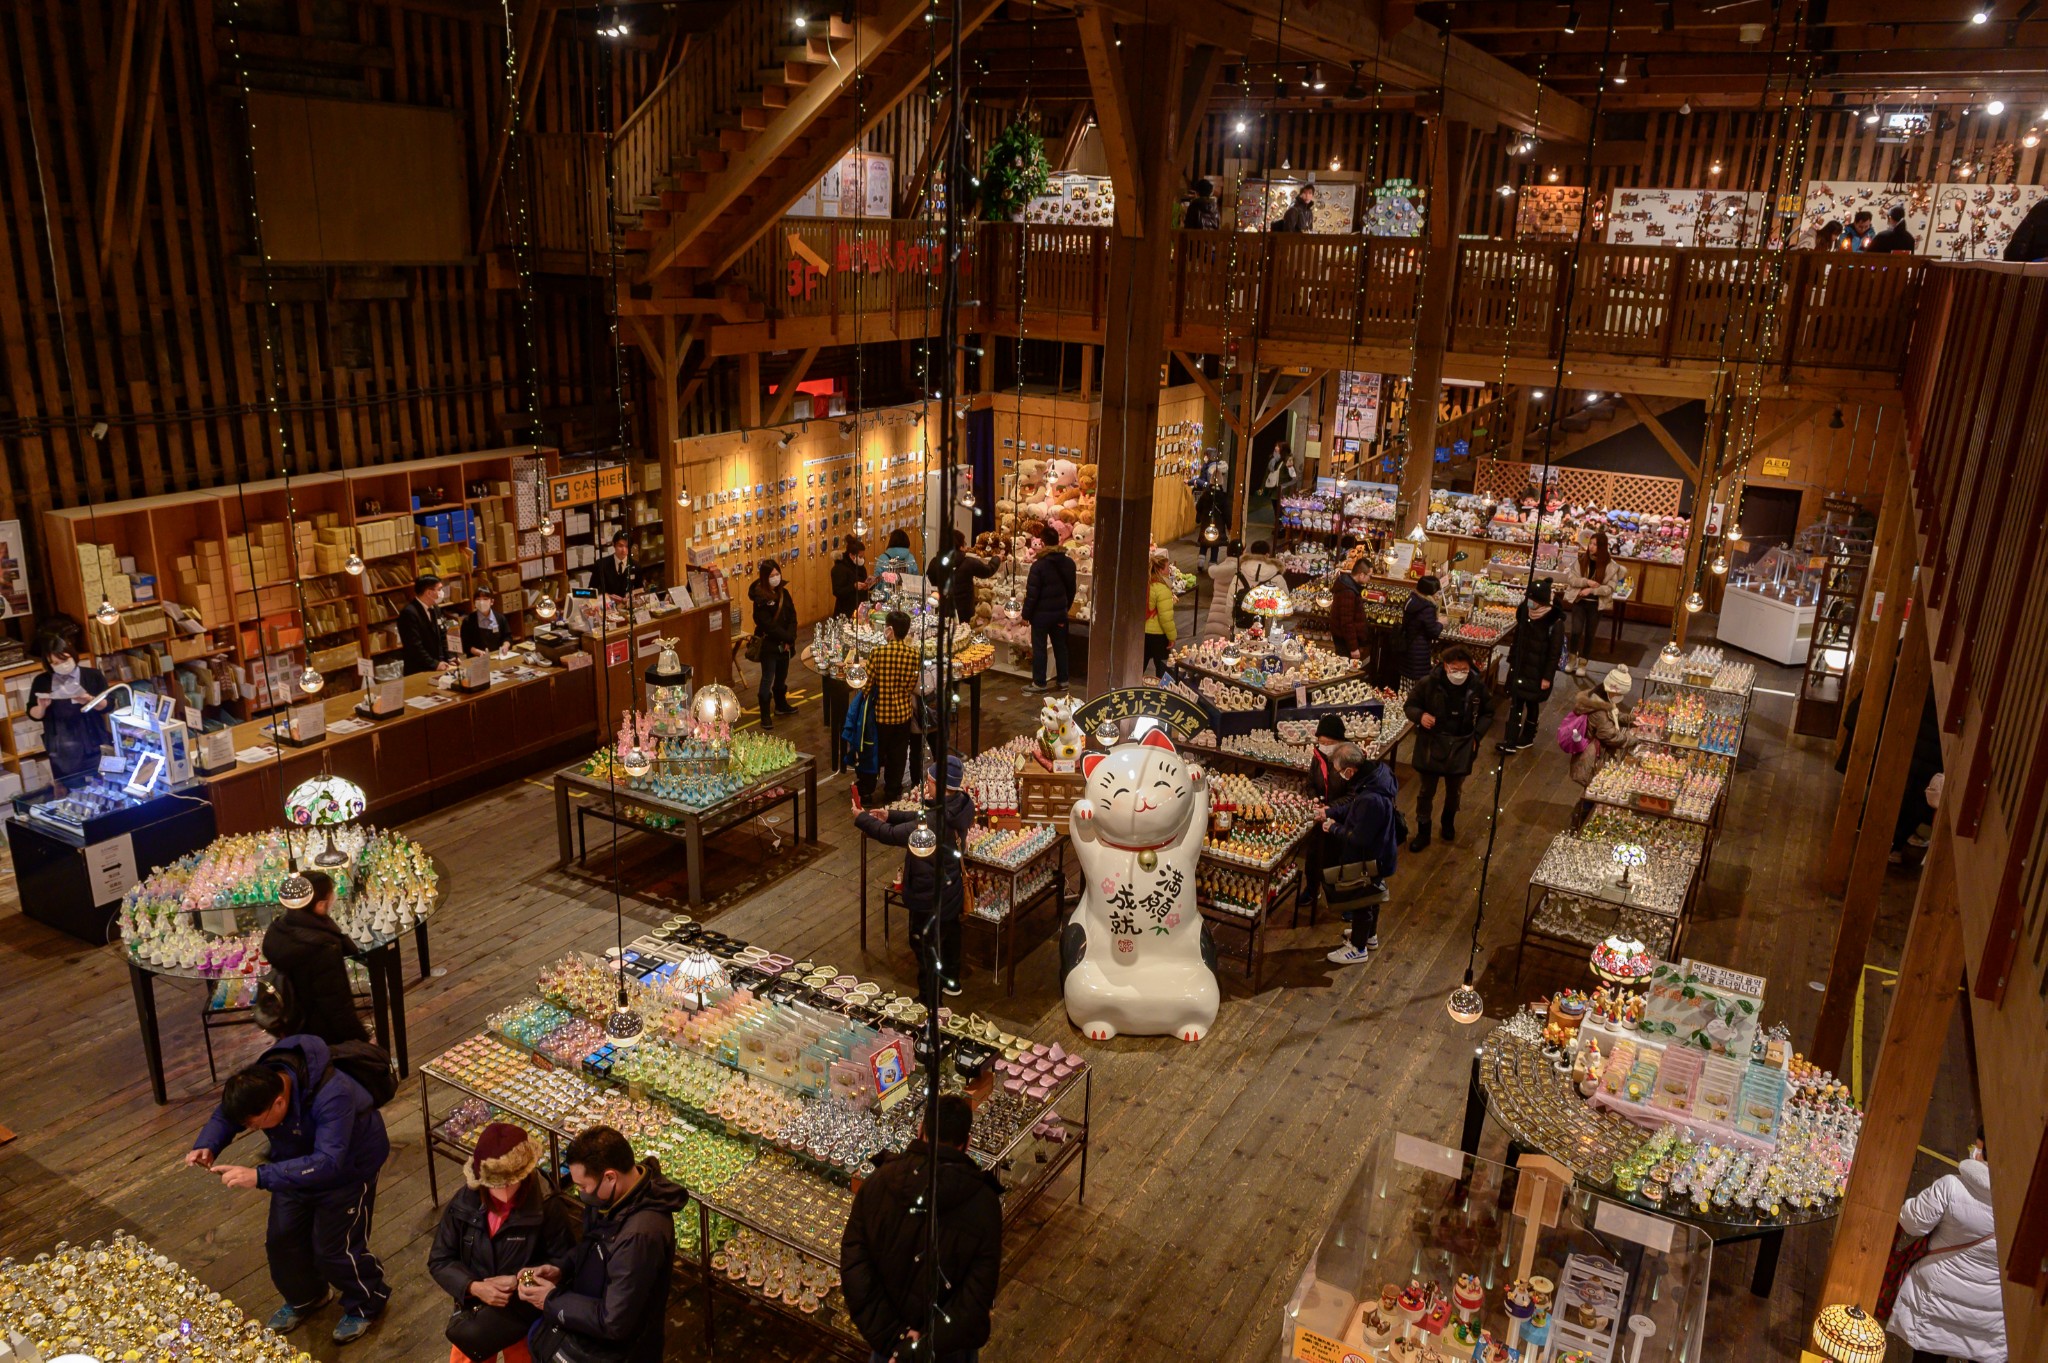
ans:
x=156 y=532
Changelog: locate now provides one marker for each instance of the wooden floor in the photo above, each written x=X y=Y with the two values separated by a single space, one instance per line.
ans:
x=1215 y=1166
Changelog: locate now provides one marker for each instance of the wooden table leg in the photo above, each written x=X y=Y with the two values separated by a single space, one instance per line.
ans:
x=810 y=802
x=427 y=1143
x=1475 y=1113
x=144 y=985
x=974 y=714
x=563 y=845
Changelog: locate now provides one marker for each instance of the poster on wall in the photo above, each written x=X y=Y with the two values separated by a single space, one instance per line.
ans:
x=1681 y=217
x=1358 y=407
x=1841 y=200
x=1073 y=201
x=1395 y=210
x=1262 y=202
x=1974 y=222
x=1552 y=212
x=14 y=594
x=859 y=185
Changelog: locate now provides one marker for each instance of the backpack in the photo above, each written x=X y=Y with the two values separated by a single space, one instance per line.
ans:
x=276 y=1006
x=1574 y=735
x=369 y=1065
x=1239 y=590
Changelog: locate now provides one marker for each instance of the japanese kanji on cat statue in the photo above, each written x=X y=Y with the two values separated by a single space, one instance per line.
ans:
x=1136 y=956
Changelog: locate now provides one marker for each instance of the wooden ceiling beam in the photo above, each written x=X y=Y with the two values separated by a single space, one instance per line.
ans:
x=1113 y=116
x=1656 y=428
x=785 y=391
x=1209 y=390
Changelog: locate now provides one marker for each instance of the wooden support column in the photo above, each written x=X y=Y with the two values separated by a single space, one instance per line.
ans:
x=1881 y=651
x=1915 y=1037
x=1087 y=371
x=1887 y=543
x=1714 y=443
x=1241 y=463
x=1447 y=197
x=1873 y=842
x=750 y=390
x=1520 y=437
x=664 y=344
x=1140 y=132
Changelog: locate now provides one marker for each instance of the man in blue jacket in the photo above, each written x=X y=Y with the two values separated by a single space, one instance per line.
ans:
x=1361 y=827
x=327 y=1143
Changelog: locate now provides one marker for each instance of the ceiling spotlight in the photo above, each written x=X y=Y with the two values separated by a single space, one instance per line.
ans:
x=1552 y=176
x=1286 y=163
x=1355 y=90
x=1507 y=191
x=1714 y=169
x=1685 y=107
x=1537 y=394
x=1315 y=77
x=616 y=29
x=1995 y=107
x=800 y=21
x=1335 y=164
x=2032 y=139
x=1621 y=72
x=1571 y=21
x=1592 y=398
x=1240 y=126
x=1870 y=119
x=1982 y=16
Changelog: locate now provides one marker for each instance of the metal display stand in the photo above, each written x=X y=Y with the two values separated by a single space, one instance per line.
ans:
x=1278 y=879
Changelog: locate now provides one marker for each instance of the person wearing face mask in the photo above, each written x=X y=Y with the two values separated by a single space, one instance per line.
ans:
x=850 y=580
x=57 y=698
x=614 y=573
x=419 y=629
x=1324 y=785
x=507 y=1218
x=1950 y=1301
x=775 y=628
x=483 y=629
x=1450 y=709
x=1534 y=654
x=608 y=1297
x=1606 y=723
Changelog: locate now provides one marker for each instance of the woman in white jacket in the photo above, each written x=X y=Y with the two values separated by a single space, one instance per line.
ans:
x=1256 y=567
x=1949 y=1305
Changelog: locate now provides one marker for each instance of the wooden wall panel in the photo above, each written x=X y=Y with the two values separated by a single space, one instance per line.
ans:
x=165 y=343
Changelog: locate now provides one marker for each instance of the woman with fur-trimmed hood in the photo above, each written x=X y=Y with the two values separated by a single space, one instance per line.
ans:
x=509 y=1218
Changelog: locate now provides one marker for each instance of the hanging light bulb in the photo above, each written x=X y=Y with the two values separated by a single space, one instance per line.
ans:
x=923 y=841
x=295 y=891
x=545 y=607
x=354 y=566
x=967 y=500
x=1465 y=1005
x=1714 y=169
x=638 y=763
x=856 y=675
x=1211 y=533
x=1719 y=566
x=860 y=526
x=1695 y=603
x=622 y=1026
x=106 y=614
x=683 y=498
x=1107 y=733
x=547 y=523
x=310 y=680
x=1670 y=653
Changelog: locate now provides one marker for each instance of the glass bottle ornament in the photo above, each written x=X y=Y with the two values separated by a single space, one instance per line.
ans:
x=310 y=680
x=354 y=566
x=923 y=841
x=106 y=614
x=1695 y=603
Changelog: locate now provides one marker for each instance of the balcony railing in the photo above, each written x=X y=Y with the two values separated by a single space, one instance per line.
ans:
x=1661 y=304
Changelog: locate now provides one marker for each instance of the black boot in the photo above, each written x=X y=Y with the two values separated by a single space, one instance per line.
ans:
x=1450 y=832
x=1421 y=839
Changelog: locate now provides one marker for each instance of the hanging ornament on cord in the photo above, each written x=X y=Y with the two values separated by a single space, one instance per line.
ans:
x=545 y=607
x=683 y=497
x=1719 y=566
x=310 y=681
x=1695 y=603
x=637 y=762
x=354 y=566
x=106 y=614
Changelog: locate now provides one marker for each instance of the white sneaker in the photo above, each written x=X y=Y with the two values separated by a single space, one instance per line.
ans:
x=1372 y=943
x=1349 y=955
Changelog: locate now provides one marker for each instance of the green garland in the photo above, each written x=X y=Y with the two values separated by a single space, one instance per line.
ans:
x=1013 y=173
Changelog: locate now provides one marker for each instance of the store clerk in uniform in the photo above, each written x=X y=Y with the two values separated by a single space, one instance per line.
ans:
x=57 y=699
x=483 y=629
x=613 y=575
x=419 y=629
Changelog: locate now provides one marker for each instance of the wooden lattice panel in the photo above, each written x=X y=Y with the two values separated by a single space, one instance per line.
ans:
x=1647 y=493
x=1581 y=487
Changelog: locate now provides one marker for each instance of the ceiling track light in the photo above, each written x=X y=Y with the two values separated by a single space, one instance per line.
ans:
x=1571 y=21
x=1621 y=72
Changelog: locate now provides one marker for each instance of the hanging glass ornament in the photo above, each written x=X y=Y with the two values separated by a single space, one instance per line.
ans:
x=1211 y=533
x=310 y=680
x=354 y=566
x=860 y=526
x=637 y=761
x=1720 y=565
x=545 y=607
x=923 y=841
x=295 y=892
x=1695 y=603
x=1107 y=733
x=106 y=614
x=856 y=675
x=1671 y=652
x=683 y=498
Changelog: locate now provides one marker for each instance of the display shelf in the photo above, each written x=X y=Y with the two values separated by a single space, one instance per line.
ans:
x=1575 y=899
x=1838 y=614
x=1241 y=897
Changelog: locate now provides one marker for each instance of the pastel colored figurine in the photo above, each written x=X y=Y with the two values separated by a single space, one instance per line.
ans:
x=1135 y=956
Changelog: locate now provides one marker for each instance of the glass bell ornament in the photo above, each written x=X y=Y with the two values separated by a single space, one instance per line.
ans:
x=1107 y=733
x=354 y=566
x=1465 y=1005
x=923 y=841
x=106 y=614
x=1695 y=603
x=310 y=680
x=637 y=761
x=856 y=675
x=1670 y=653
x=545 y=607
x=860 y=526
x=296 y=892
x=1211 y=533
x=1719 y=566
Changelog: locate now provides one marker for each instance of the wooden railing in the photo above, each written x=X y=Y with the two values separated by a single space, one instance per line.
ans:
x=1976 y=397
x=1662 y=304
x=725 y=62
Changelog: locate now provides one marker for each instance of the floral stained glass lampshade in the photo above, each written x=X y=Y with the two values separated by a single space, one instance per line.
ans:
x=326 y=802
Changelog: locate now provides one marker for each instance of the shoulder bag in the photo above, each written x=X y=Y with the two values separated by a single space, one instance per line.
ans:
x=1907 y=1252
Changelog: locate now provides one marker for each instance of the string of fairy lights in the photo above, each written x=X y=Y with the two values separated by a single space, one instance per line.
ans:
x=1523 y=159
x=1400 y=439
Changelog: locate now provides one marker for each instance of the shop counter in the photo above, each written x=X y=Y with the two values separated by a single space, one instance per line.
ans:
x=1766 y=626
x=439 y=739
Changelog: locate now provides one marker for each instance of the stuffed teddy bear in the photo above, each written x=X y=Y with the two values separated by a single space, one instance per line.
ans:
x=1088 y=478
x=1063 y=472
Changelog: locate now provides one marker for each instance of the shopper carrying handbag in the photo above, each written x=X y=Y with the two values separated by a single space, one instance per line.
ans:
x=1949 y=1302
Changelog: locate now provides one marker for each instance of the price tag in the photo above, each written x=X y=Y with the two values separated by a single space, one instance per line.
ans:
x=1300 y=696
x=194 y=720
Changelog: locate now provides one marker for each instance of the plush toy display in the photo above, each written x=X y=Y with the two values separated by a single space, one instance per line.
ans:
x=1136 y=955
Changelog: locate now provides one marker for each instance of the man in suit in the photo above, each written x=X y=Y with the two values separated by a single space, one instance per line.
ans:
x=1895 y=238
x=613 y=575
x=419 y=630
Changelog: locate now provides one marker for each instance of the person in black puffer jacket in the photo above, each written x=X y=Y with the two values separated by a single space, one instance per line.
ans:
x=612 y=1288
x=1048 y=596
x=1419 y=629
x=775 y=627
x=478 y=1263
x=1450 y=710
x=311 y=952
x=932 y=890
x=889 y=1287
x=959 y=574
x=1534 y=655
